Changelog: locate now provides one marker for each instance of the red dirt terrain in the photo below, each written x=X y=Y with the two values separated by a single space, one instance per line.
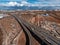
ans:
x=12 y=30
x=11 y=33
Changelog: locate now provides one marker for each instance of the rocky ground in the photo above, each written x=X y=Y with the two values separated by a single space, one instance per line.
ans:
x=11 y=30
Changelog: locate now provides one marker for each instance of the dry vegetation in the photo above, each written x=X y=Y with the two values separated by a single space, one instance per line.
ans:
x=9 y=27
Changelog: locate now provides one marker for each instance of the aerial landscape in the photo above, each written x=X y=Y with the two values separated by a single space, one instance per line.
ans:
x=29 y=22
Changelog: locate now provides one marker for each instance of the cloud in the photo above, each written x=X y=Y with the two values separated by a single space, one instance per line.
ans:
x=9 y=4
x=13 y=3
x=22 y=3
x=25 y=3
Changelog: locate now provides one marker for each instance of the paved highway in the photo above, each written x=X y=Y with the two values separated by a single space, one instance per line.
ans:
x=41 y=35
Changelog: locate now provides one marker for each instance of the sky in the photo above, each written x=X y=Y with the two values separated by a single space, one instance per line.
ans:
x=30 y=2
